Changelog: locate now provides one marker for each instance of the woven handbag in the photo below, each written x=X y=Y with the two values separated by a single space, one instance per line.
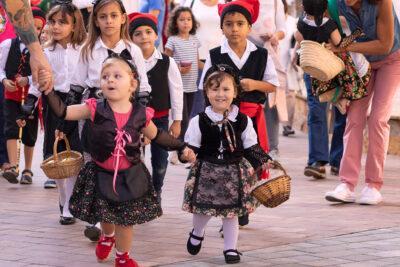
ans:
x=319 y=62
x=273 y=192
x=64 y=164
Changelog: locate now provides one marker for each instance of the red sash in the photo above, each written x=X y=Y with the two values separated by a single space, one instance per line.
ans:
x=254 y=110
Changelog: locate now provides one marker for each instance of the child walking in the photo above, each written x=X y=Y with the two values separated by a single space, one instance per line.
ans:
x=219 y=184
x=350 y=84
x=183 y=46
x=255 y=68
x=167 y=89
x=108 y=34
x=62 y=50
x=15 y=74
x=115 y=187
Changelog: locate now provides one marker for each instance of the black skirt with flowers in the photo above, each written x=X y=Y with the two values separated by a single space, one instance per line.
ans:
x=87 y=205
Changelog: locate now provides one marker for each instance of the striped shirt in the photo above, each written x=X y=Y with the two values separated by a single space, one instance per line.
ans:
x=186 y=51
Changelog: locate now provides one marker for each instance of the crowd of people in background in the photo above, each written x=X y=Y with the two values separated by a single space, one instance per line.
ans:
x=209 y=83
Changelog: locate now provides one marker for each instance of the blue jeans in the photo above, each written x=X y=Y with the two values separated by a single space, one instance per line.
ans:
x=159 y=156
x=318 y=141
x=3 y=146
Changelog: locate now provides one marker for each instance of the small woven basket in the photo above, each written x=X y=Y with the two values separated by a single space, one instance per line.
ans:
x=64 y=164
x=319 y=62
x=275 y=191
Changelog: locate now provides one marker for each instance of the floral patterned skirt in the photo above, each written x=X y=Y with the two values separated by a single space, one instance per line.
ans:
x=221 y=190
x=351 y=85
x=87 y=205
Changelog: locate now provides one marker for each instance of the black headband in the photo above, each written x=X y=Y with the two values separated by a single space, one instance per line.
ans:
x=236 y=8
x=223 y=68
x=125 y=56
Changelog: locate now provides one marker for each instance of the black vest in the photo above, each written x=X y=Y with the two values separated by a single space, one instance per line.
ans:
x=254 y=68
x=102 y=131
x=212 y=135
x=158 y=80
x=14 y=59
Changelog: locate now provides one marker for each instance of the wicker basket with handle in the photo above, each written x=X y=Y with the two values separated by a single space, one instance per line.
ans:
x=319 y=62
x=275 y=191
x=64 y=164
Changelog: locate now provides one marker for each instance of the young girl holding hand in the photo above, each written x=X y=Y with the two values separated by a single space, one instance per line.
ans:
x=115 y=188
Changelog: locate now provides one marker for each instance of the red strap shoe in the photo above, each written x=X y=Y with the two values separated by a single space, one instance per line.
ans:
x=124 y=261
x=104 y=248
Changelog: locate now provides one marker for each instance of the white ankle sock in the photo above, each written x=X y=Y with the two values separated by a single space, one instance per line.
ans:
x=110 y=235
x=199 y=224
x=231 y=233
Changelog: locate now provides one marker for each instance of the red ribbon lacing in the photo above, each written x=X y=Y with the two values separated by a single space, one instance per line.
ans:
x=121 y=139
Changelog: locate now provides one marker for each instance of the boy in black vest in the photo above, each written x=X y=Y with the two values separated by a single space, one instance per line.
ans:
x=167 y=89
x=257 y=72
x=15 y=74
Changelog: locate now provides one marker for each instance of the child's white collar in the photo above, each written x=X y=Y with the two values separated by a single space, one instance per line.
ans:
x=217 y=117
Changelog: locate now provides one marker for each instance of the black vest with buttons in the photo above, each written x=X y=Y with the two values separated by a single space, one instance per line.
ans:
x=254 y=68
x=158 y=80
x=102 y=131
x=213 y=135
x=14 y=59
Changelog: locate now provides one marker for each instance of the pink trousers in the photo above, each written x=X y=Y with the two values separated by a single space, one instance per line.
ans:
x=384 y=83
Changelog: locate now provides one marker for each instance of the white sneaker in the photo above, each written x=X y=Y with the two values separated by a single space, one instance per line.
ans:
x=342 y=194
x=370 y=196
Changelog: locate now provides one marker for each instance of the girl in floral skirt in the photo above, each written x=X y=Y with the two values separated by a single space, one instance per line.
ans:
x=115 y=188
x=351 y=83
x=220 y=182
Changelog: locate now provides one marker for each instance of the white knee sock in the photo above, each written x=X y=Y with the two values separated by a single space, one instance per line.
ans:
x=199 y=224
x=69 y=187
x=231 y=233
x=61 y=191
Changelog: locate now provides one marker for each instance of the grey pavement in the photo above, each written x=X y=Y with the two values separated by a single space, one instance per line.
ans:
x=305 y=231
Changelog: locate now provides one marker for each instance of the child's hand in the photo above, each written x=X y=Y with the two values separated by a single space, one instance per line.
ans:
x=247 y=84
x=334 y=49
x=21 y=123
x=9 y=85
x=22 y=81
x=145 y=141
x=45 y=78
x=175 y=129
x=59 y=134
x=185 y=70
x=188 y=155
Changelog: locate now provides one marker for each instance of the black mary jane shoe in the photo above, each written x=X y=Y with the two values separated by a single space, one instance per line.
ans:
x=232 y=259
x=192 y=249
x=67 y=220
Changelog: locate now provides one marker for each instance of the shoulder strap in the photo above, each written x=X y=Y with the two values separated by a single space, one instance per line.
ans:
x=191 y=4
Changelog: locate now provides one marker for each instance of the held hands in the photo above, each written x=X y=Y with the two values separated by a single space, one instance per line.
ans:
x=44 y=79
x=21 y=123
x=175 y=129
x=9 y=85
x=188 y=155
x=22 y=81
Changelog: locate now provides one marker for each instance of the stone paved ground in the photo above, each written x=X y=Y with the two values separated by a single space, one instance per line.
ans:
x=305 y=231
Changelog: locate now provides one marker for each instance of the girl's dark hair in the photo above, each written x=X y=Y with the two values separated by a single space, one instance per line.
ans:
x=285 y=6
x=172 y=28
x=315 y=8
x=374 y=2
x=216 y=74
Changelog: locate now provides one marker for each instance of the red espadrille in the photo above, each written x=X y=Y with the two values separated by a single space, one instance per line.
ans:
x=124 y=261
x=104 y=248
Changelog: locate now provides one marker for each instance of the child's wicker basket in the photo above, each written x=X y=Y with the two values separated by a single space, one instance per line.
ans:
x=319 y=62
x=64 y=164
x=275 y=191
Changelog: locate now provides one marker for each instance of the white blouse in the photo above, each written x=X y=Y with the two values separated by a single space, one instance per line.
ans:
x=193 y=133
x=87 y=73
x=63 y=62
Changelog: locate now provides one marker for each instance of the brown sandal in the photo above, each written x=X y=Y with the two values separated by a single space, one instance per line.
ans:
x=11 y=174
x=26 y=177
